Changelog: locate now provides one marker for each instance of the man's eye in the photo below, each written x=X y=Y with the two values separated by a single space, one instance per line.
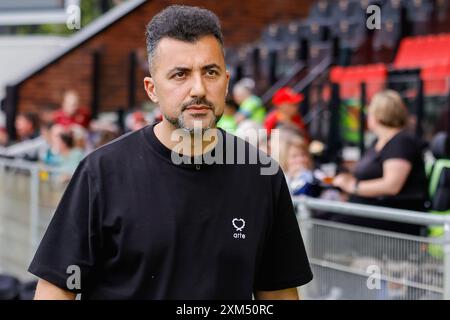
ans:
x=212 y=73
x=179 y=75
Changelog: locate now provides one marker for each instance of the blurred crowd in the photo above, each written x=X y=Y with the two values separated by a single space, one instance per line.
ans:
x=61 y=138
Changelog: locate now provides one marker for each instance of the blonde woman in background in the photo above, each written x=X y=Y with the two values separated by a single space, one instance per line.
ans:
x=297 y=163
x=391 y=173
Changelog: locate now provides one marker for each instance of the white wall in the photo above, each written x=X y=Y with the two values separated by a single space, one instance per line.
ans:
x=20 y=53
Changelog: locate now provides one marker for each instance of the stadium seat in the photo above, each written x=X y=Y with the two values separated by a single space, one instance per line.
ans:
x=9 y=287
x=291 y=33
x=424 y=51
x=268 y=57
x=287 y=57
x=321 y=9
x=346 y=9
x=272 y=34
x=27 y=290
x=392 y=9
x=313 y=30
x=388 y=36
x=350 y=33
x=350 y=79
x=419 y=10
x=436 y=79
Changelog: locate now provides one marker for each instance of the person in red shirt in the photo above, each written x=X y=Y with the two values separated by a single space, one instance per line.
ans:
x=71 y=112
x=286 y=113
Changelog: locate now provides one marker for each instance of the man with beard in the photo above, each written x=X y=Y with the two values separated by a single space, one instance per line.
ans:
x=133 y=224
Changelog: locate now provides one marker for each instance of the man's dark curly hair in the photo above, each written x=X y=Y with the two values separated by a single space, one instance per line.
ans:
x=183 y=23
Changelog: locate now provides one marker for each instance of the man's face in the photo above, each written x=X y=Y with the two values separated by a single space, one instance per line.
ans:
x=189 y=82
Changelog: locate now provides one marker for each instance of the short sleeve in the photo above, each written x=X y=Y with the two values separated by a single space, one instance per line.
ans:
x=284 y=260
x=70 y=243
x=402 y=147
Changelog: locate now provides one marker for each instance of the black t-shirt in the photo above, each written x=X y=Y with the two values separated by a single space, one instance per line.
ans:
x=404 y=146
x=140 y=226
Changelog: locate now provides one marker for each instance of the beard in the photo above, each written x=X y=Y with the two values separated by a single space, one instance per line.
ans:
x=180 y=121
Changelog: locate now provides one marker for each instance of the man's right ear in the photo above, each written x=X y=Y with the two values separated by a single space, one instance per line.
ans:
x=149 y=86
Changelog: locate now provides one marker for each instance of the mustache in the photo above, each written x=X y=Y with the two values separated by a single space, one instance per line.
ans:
x=197 y=101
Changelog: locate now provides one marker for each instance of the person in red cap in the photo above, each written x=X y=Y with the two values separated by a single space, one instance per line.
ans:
x=286 y=112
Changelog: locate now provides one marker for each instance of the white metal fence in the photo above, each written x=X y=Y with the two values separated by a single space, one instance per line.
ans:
x=29 y=193
x=354 y=262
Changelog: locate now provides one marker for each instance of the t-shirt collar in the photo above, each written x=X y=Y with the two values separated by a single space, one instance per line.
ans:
x=187 y=162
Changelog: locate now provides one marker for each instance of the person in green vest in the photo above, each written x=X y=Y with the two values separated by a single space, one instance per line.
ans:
x=228 y=121
x=250 y=106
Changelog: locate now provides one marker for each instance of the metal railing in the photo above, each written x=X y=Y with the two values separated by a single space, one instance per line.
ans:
x=355 y=262
x=29 y=194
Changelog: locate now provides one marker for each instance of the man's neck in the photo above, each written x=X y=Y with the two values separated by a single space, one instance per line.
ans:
x=164 y=132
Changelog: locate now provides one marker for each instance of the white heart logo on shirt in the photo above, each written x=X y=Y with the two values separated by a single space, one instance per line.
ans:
x=239 y=224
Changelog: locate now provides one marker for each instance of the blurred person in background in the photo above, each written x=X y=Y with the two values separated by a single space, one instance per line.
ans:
x=136 y=120
x=71 y=112
x=228 y=121
x=29 y=143
x=101 y=132
x=106 y=136
x=80 y=135
x=250 y=105
x=47 y=113
x=297 y=164
x=287 y=112
x=391 y=172
x=47 y=155
x=27 y=126
x=253 y=133
x=69 y=155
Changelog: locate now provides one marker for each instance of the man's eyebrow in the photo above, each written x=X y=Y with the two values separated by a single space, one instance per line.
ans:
x=211 y=66
x=178 y=69
x=185 y=69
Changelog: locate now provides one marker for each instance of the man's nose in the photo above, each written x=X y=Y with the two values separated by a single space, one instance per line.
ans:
x=198 y=87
